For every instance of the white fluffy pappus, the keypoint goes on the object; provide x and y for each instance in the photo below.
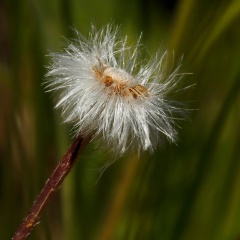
(106, 89)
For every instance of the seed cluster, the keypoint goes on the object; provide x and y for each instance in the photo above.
(118, 82)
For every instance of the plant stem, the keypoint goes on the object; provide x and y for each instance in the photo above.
(51, 187)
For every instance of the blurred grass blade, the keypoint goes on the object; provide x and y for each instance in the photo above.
(185, 9)
(228, 17)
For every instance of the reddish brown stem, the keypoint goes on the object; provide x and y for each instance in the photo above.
(50, 188)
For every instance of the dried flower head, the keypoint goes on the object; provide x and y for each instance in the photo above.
(107, 91)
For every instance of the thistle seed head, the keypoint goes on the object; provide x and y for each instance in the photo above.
(105, 91)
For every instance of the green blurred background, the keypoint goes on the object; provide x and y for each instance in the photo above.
(190, 191)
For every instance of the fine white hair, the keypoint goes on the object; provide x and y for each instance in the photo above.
(108, 92)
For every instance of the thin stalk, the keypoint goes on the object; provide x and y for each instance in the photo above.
(50, 188)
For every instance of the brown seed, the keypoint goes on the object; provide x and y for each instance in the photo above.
(108, 81)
